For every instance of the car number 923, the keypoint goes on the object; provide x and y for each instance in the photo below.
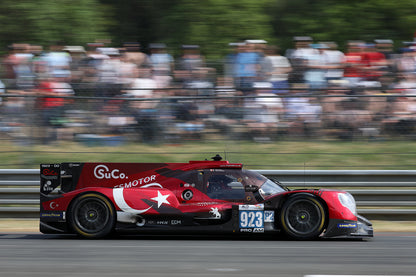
(251, 219)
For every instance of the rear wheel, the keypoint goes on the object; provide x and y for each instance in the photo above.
(303, 217)
(92, 216)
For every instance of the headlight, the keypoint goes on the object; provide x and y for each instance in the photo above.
(348, 201)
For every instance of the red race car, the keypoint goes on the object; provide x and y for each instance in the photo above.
(97, 199)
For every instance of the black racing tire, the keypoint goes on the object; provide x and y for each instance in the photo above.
(92, 216)
(303, 217)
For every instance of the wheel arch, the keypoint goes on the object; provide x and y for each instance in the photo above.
(93, 193)
(293, 195)
(289, 196)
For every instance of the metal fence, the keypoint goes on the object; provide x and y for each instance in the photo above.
(380, 194)
(180, 115)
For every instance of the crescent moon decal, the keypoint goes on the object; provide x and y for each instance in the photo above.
(121, 202)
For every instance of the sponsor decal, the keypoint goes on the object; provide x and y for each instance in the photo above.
(230, 165)
(142, 182)
(165, 222)
(251, 219)
(103, 172)
(50, 175)
(59, 215)
(246, 230)
(215, 213)
(252, 230)
(257, 207)
(258, 230)
(47, 186)
(203, 204)
(49, 172)
(347, 225)
(268, 216)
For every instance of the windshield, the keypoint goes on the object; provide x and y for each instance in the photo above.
(269, 188)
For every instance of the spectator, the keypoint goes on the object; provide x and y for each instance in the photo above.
(52, 107)
(400, 116)
(8, 64)
(190, 61)
(407, 62)
(77, 54)
(375, 63)
(144, 111)
(335, 60)
(259, 46)
(276, 69)
(228, 111)
(247, 66)
(18, 66)
(127, 71)
(229, 60)
(354, 63)
(303, 112)
(316, 68)
(134, 55)
(200, 84)
(407, 83)
(2, 91)
(162, 64)
(40, 66)
(386, 47)
(263, 112)
(109, 72)
(58, 62)
(298, 57)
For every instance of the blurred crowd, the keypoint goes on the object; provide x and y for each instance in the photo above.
(257, 91)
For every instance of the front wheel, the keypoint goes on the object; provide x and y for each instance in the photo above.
(92, 216)
(303, 217)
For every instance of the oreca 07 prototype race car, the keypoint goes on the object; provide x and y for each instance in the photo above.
(95, 200)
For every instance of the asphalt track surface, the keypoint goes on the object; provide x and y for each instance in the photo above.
(57, 255)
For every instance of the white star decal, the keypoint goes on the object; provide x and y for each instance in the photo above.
(161, 199)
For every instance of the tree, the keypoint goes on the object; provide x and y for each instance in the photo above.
(215, 23)
(46, 21)
(343, 20)
(210, 23)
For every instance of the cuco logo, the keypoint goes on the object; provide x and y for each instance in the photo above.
(103, 172)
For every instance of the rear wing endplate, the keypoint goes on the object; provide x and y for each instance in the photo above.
(50, 177)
